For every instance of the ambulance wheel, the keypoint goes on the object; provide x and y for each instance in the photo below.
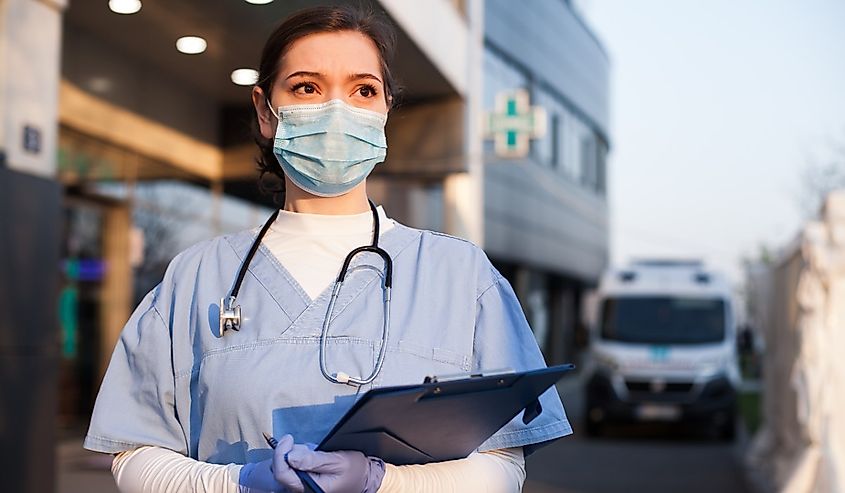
(726, 427)
(727, 431)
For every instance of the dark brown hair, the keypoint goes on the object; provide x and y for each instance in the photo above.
(298, 25)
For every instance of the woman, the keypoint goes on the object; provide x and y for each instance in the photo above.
(186, 396)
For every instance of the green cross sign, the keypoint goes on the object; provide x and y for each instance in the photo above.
(513, 123)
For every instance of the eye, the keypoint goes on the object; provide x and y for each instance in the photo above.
(367, 91)
(304, 88)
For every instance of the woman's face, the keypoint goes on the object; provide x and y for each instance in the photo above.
(320, 67)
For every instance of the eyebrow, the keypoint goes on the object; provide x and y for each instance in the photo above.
(318, 75)
(363, 75)
(302, 73)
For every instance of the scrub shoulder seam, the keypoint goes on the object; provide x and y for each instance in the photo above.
(199, 248)
(446, 235)
(497, 279)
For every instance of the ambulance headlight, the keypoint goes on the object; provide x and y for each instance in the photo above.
(712, 366)
(606, 363)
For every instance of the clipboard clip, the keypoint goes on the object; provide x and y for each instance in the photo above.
(464, 376)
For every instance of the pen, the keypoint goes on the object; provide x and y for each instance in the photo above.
(307, 480)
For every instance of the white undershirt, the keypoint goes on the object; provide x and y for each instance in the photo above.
(312, 248)
(158, 470)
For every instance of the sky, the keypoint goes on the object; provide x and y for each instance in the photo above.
(718, 108)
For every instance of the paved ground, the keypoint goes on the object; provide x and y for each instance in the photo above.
(650, 458)
(630, 463)
(629, 459)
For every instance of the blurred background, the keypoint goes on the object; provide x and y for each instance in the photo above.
(661, 182)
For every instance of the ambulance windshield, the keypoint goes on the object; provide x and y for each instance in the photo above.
(663, 320)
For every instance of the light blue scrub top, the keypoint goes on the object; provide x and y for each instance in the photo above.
(172, 383)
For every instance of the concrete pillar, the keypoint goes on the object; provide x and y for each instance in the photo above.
(30, 50)
(463, 193)
(117, 281)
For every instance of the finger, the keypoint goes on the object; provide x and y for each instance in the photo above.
(282, 448)
(285, 443)
(311, 445)
(281, 471)
(308, 460)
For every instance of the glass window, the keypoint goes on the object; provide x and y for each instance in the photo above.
(547, 148)
(570, 145)
(174, 215)
(500, 76)
(601, 169)
(577, 132)
(588, 160)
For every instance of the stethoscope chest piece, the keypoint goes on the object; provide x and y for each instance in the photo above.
(230, 315)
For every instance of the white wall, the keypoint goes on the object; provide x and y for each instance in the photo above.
(30, 46)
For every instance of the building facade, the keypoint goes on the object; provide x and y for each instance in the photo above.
(117, 151)
(546, 215)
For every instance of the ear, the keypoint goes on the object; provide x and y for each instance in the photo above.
(266, 121)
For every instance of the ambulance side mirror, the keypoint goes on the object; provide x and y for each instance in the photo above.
(745, 340)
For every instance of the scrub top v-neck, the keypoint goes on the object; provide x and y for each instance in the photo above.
(312, 247)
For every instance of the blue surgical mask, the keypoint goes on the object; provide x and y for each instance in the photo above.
(327, 149)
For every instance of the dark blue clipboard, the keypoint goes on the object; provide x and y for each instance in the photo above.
(439, 420)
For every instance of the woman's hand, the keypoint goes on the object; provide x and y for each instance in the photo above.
(260, 475)
(335, 472)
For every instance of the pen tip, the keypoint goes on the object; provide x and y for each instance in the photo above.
(266, 436)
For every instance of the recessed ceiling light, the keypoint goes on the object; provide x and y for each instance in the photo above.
(245, 76)
(191, 45)
(125, 6)
(258, 2)
(100, 84)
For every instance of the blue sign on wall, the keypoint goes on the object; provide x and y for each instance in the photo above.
(31, 139)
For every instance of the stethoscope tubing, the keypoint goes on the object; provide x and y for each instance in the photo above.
(385, 333)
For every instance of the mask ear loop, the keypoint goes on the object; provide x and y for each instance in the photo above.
(271, 108)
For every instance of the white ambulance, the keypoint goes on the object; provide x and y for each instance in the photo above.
(663, 347)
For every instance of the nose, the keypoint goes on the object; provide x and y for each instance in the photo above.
(336, 92)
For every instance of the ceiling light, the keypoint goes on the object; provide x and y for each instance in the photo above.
(258, 2)
(100, 84)
(191, 45)
(125, 6)
(245, 76)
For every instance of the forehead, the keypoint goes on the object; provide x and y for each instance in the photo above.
(344, 52)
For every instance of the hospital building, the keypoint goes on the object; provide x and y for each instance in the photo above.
(118, 149)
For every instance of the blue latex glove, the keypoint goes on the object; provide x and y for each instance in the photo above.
(259, 475)
(336, 472)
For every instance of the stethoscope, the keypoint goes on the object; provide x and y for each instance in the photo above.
(230, 311)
